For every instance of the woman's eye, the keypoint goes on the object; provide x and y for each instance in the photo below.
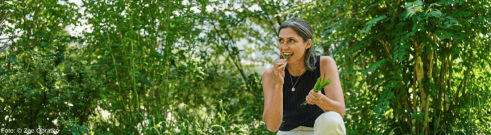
(280, 40)
(291, 40)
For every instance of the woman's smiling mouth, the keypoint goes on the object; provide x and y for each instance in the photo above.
(289, 54)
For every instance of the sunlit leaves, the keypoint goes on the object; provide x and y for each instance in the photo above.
(166, 62)
(374, 66)
(413, 8)
(384, 41)
(371, 23)
(400, 52)
(436, 14)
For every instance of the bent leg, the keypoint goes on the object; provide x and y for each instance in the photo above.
(329, 123)
(301, 130)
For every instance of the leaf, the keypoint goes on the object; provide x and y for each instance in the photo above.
(435, 14)
(400, 51)
(374, 66)
(43, 43)
(317, 83)
(390, 26)
(371, 22)
(145, 81)
(73, 4)
(20, 8)
(321, 79)
(448, 35)
(383, 101)
(328, 81)
(417, 116)
(419, 3)
(409, 4)
(39, 121)
(452, 20)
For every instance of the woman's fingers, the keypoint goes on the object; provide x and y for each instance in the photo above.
(281, 69)
(278, 71)
(282, 64)
(314, 94)
(313, 97)
(309, 101)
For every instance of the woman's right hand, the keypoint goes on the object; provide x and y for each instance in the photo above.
(279, 71)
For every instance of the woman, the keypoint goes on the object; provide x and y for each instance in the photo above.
(290, 82)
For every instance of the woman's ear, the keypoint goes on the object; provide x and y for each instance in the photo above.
(309, 44)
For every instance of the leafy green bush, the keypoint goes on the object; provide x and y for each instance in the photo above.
(172, 67)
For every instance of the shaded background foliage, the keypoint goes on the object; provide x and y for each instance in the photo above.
(194, 67)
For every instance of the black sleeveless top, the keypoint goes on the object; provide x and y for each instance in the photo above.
(294, 114)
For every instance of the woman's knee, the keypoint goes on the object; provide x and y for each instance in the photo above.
(330, 121)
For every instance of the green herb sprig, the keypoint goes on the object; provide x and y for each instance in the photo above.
(286, 55)
(319, 85)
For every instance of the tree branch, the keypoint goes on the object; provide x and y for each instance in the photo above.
(388, 3)
(278, 19)
(234, 61)
(386, 47)
(462, 85)
(3, 19)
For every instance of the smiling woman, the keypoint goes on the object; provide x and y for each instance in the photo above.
(304, 34)
(282, 109)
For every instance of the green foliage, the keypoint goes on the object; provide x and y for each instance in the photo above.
(175, 67)
(412, 63)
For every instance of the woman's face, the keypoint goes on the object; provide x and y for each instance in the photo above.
(291, 43)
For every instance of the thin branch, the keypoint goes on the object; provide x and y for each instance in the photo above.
(388, 3)
(386, 47)
(3, 19)
(462, 85)
(278, 19)
(272, 26)
(244, 77)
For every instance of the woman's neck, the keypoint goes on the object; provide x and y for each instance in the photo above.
(297, 68)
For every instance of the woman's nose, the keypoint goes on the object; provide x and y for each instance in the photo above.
(283, 47)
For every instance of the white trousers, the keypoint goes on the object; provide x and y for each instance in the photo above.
(328, 123)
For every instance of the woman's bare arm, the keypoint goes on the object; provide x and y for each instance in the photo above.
(334, 99)
(273, 101)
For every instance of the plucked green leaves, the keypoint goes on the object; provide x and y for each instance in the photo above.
(319, 85)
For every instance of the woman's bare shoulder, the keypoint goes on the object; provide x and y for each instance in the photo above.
(326, 59)
(268, 79)
(327, 62)
(268, 73)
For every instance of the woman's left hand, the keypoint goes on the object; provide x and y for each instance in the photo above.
(313, 97)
